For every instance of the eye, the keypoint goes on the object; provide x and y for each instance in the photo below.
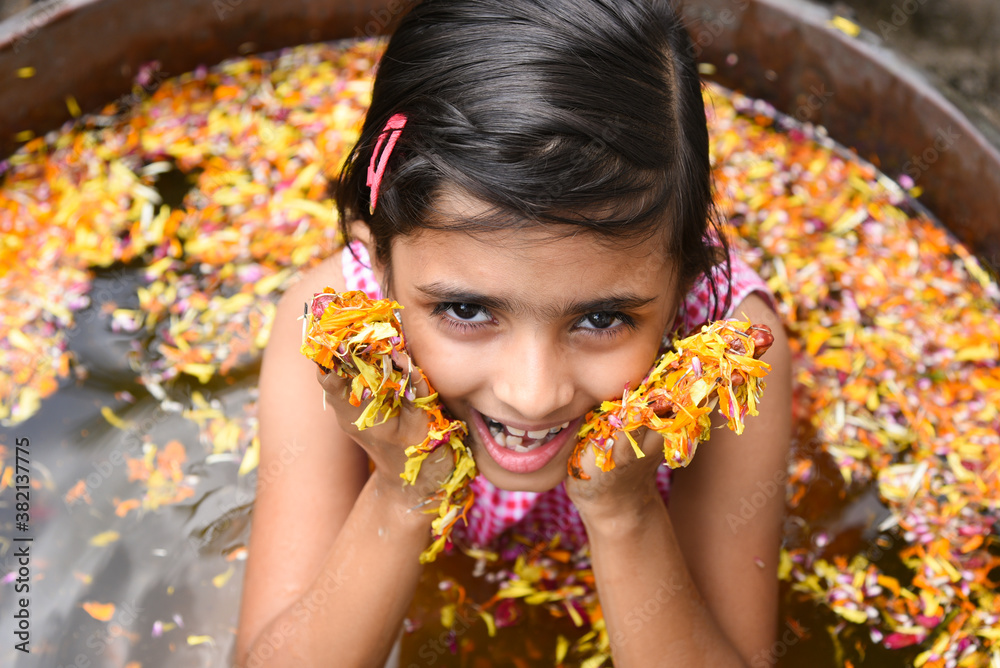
(465, 312)
(601, 320)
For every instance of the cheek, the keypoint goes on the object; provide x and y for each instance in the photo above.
(609, 375)
(453, 370)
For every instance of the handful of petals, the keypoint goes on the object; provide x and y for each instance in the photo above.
(717, 366)
(354, 336)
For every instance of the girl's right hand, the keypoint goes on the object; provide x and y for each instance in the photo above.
(386, 443)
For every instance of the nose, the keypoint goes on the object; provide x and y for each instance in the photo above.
(534, 378)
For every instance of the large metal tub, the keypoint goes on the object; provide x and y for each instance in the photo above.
(785, 53)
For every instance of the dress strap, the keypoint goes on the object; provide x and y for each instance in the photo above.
(358, 274)
(694, 311)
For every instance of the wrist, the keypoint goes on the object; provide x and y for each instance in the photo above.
(621, 516)
(399, 505)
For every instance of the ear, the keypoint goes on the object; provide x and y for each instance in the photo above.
(361, 232)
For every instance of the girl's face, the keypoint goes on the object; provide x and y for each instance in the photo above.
(522, 333)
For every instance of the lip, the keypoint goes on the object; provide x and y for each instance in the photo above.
(523, 462)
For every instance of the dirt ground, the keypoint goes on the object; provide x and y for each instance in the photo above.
(957, 42)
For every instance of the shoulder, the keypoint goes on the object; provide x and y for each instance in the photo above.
(766, 437)
(306, 462)
(705, 300)
(328, 273)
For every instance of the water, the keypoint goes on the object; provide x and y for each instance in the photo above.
(160, 569)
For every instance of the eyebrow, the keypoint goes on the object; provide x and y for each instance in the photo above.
(617, 302)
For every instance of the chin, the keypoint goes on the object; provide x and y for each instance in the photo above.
(540, 481)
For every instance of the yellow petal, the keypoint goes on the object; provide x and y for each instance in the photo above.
(856, 616)
(203, 372)
(251, 457)
(200, 640)
(983, 352)
(448, 616)
(491, 627)
(845, 26)
(577, 619)
(113, 419)
(269, 284)
(562, 647)
(222, 578)
(18, 339)
(73, 106)
(105, 538)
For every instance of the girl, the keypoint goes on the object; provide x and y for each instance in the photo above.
(532, 185)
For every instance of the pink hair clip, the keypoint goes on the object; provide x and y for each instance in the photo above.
(394, 126)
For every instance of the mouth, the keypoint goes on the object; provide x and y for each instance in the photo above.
(521, 450)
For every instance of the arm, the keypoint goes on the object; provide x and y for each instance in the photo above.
(683, 587)
(320, 547)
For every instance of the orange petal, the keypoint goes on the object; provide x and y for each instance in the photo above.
(99, 611)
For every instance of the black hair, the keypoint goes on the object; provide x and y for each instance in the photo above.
(562, 113)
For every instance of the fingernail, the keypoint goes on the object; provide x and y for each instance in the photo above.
(397, 360)
(762, 339)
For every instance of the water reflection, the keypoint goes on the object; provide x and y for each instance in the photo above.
(172, 570)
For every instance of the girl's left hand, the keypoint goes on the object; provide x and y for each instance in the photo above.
(628, 487)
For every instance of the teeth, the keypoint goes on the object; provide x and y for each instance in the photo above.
(515, 447)
(514, 439)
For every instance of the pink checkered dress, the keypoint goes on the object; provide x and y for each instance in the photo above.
(540, 515)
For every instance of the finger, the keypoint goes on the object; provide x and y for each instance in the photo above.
(652, 444)
(333, 385)
(623, 450)
(418, 385)
(762, 339)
